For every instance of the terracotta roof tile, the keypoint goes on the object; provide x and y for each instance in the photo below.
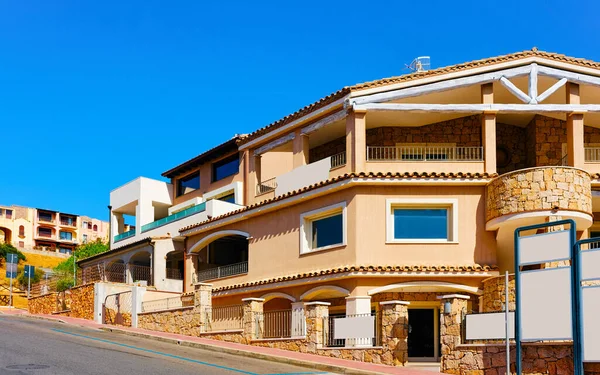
(332, 271)
(379, 175)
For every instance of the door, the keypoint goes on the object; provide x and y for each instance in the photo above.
(422, 335)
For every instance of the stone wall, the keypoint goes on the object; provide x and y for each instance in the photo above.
(494, 294)
(82, 301)
(513, 139)
(540, 188)
(184, 321)
(45, 304)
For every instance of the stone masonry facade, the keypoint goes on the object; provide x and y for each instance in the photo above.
(536, 189)
(77, 302)
(494, 296)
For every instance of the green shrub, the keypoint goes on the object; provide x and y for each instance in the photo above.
(22, 280)
(6, 248)
(64, 284)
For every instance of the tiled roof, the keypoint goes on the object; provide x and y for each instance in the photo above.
(534, 52)
(370, 175)
(333, 271)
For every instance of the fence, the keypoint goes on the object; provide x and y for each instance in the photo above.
(166, 304)
(592, 154)
(338, 160)
(223, 271)
(45, 286)
(266, 186)
(116, 309)
(141, 273)
(224, 318)
(359, 330)
(417, 153)
(281, 324)
(174, 274)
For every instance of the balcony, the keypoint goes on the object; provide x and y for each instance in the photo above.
(177, 216)
(223, 271)
(124, 235)
(45, 219)
(424, 154)
(68, 223)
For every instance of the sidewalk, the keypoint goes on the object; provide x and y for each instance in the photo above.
(283, 356)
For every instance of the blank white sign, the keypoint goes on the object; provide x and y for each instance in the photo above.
(591, 324)
(489, 326)
(590, 264)
(546, 304)
(546, 247)
(356, 327)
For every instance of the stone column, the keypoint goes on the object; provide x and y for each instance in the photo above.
(575, 129)
(315, 312)
(253, 318)
(356, 145)
(298, 320)
(202, 302)
(301, 149)
(450, 327)
(488, 129)
(358, 305)
(394, 331)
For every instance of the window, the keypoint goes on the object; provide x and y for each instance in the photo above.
(21, 244)
(85, 238)
(21, 231)
(95, 227)
(323, 229)
(9, 214)
(66, 236)
(228, 198)
(64, 250)
(45, 232)
(226, 167)
(84, 224)
(89, 225)
(422, 220)
(45, 216)
(188, 184)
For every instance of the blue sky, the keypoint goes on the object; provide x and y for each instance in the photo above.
(93, 94)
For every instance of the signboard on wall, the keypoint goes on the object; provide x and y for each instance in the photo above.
(489, 326)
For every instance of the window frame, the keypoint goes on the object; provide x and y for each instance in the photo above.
(418, 203)
(224, 161)
(177, 186)
(306, 220)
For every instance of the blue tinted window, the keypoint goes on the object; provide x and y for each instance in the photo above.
(226, 167)
(431, 223)
(188, 184)
(66, 236)
(327, 231)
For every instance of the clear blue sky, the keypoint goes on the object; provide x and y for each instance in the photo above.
(93, 93)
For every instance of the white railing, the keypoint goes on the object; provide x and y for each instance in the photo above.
(266, 186)
(223, 271)
(338, 160)
(592, 154)
(224, 318)
(418, 153)
(163, 304)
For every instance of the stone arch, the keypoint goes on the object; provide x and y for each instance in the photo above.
(425, 286)
(325, 291)
(215, 236)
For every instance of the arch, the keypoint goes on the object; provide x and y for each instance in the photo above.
(95, 228)
(334, 291)
(21, 231)
(5, 235)
(425, 286)
(215, 236)
(140, 258)
(269, 296)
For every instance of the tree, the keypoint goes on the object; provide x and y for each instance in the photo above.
(86, 250)
(35, 278)
(6, 248)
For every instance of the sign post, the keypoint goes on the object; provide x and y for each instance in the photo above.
(29, 270)
(11, 272)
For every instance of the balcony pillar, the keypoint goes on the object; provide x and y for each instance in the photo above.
(575, 129)
(144, 214)
(356, 145)
(189, 270)
(358, 305)
(117, 225)
(488, 130)
(202, 303)
(257, 169)
(316, 312)
(253, 312)
(247, 185)
(301, 149)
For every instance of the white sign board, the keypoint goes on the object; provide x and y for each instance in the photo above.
(590, 264)
(591, 324)
(356, 327)
(546, 304)
(489, 326)
(546, 247)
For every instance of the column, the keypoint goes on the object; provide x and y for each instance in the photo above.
(316, 312)
(202, 303)
(298, 320)
(257, 173)
(189, 271)
(137, 295)
(451, 327)
(394, 330)
(359, 305)
(301, 149)
(246, 186)
(356, 145)
(253, 318)
(144, 214)
(117, 225)
(575, 129)
(488, 129)
(128, 277)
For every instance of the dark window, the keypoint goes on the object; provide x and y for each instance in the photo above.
(21, 231)
(419, 223)
(188, 184)
(45, 216)
(228, 198)
(226, 167)
(95, 228)
(64, 250)
(21, 244)
(327, 231)
(66, 236)
(45, 232)
(9, 214)
(85, 238)
(89, 225)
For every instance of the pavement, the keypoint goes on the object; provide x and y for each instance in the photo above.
(217, 356)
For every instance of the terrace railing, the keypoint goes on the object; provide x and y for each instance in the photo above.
(266, 186)
(164, 304)
(224, 318)
(223, 271)
(177, 216)
(141, 273)
(174, 274)
(592, 154)
(418, 153)
(124, 235)
(338, 160)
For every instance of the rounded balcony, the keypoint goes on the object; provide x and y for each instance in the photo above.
(530, 196)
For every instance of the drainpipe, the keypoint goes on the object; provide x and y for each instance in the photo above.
(109, 224)
(152, 263)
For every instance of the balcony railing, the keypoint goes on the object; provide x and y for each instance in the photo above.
(69, 223)
(174, 274)
(266, 186)
(177, 216)
(124, 235)
(141, 273)
(45, 235)
(418, 153)
(223, 271)
(46, 219)
(338, 160)
(592, 154)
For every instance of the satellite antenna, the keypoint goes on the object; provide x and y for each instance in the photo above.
(420, 64)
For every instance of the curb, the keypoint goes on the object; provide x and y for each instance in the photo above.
(29, 316)
(247, 353)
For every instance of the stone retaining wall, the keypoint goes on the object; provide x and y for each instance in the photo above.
(184, 321)
(45, 304)
(536, 189)
(82, 302)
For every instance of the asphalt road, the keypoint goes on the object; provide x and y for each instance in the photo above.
(29, 346)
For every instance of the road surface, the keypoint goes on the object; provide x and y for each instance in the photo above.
(39, 347)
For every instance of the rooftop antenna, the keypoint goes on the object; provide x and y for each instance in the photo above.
(420, 64)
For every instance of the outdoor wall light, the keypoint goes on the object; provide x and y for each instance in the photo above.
(447, 307)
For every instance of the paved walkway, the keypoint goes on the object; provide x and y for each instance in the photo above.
(312, 360)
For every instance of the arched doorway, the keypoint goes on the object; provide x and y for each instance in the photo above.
(115, 271)
(5, 235)
(220, 255)
(140, 267)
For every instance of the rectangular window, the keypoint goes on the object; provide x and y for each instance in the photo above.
(64, 250)
(45, 216)
(323, 229)
(226, 167)
(85, 238)
(21, 244)
(421, 223)
(188, 184)
(9, 214)
(45, 232)
(66, 236)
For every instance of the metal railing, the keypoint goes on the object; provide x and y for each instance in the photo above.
(564, 161)
(141, 273)
(224, 318)
(223, 271)
(266, 186)
(592, 154)
(45, 219)
(281, 324)
(125, 235)
(418, 153)
(174, 274)
(164, 304)
(177, 216)
(70, 223)
(329, 336)
(115, 272)
(117, 308)
(338, 160)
